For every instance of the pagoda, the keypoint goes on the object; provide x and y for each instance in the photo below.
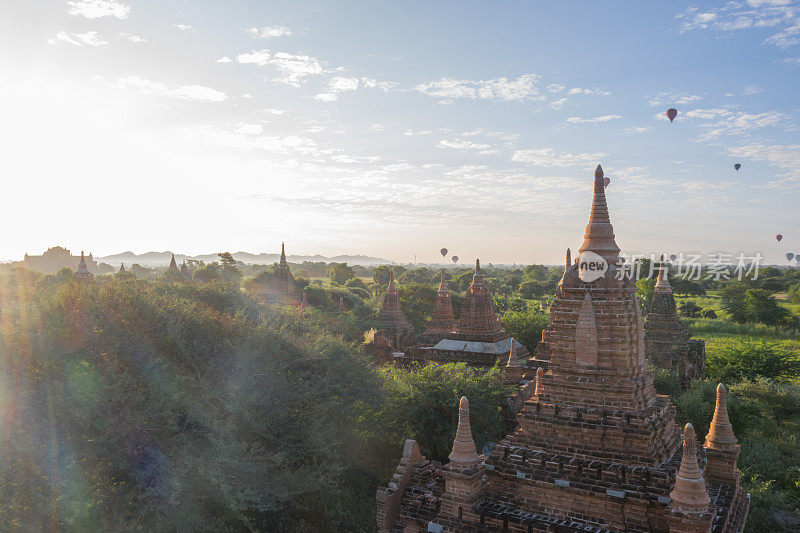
(596, 449)
(442, 321)
(477, 338)
(392, 320)
(82, 273)
(173, 265)
(667, 340)
(281, 287)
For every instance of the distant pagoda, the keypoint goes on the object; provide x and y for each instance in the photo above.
(596, 449)
(478, 320)
(82, 273)
(173, 265)
(667, 340)
(392, 320)
(443, 321)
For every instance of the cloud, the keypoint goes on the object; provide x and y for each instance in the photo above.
(578, 90)
(186, 92)
(92, 9)
(377, 127)
(133, 38)
(780, 15)
(225, 59)
(547, 157)
(672, 99)
(468, 146)
(502, 89)
(183, 27)
(268, 32)
(707, 114)
(739, 124)
(249, 129)
(293, 68)
(336, 86)
(594, 120)
(785, 157)
(557, 104)
(638, 129)
(90, 38)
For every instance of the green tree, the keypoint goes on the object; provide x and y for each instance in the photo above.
(750, 359)
(526, 325)
(690, 309)
(761, 307)
(339, 273)
(733, 301)
(380, 275)
(644, 290)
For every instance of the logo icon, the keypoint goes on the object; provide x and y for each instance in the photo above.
(591, 266)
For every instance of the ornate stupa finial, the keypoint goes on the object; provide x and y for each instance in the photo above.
(464, 453)
(720, 434)
(391, 281)
(512, 355)
(599, 236)
(283, 254)
(569, 258)
(662, 283)
(689, 493)
(442, 284)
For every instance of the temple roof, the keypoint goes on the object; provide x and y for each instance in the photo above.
(599, 236)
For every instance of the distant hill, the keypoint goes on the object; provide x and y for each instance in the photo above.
(160, 259)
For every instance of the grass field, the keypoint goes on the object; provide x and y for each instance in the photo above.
(721, 332)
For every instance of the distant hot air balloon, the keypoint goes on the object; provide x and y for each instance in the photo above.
(672, 113)
(737, 166)
(673, 257)
(443, 251)
(455, 259)
(606, 181)
(789, 256)
(779, 237)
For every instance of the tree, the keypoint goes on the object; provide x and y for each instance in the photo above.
(526, 325)
(531, 289)
(690, 309)
(380, 275)
(750, 359)
(644, 290)
(761, 307)
(339, 273)
(733, 301)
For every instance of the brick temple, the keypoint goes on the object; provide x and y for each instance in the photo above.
(477, 337)
(667, 340)
(281, 288)
(596, 449)
(399, 331)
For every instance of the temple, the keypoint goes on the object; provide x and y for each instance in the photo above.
(667, 340)
(399, 330)
(173, 265)
(82, 273)
(56, 258)
(476, 338)
(281, 288)
(596, 449)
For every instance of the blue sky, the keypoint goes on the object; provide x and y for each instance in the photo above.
(396, 128)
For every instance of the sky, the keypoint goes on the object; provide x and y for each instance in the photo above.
(394, 129)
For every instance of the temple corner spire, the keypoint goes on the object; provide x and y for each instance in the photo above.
(464, 453)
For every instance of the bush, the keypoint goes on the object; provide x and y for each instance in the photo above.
(750, 359)
(690, 309)
(526, 325)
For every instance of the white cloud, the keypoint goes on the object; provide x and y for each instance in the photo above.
(133, 38)
(740, 124)
(409, 133)
(89, 38)
(268, 32)
(250, 129)
(93, 9)
(187, 92)
(547, 157)
(638, 129)
(271, 111)
(707, 114)
(593, 120)
(466, 146)
(336, 86)
(578, 90)
(780, 15)
(371, 83)
(502, 89)
(224, 59)
(557, 104)
(183, 27)
(293, 68)
(377, 127)
(672, 99)
(785, 157)
(556, 87)
(752, 89)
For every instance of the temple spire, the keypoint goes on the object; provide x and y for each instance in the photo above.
(122, 268)
(720, 434)
(83, 271)
(173, 265)
(341, 304)
(689, 493)
(391, 281)
(539, 378)
(464, 453)
(599, 236)
(662, 283)
(283, 254)
(569, 259)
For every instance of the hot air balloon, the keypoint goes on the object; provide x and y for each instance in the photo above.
(789, 256)
(737, 166)
(606, 181)
(672, 113)
(455, 259)
(779, 237)
(443, 251)
(673, 257)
